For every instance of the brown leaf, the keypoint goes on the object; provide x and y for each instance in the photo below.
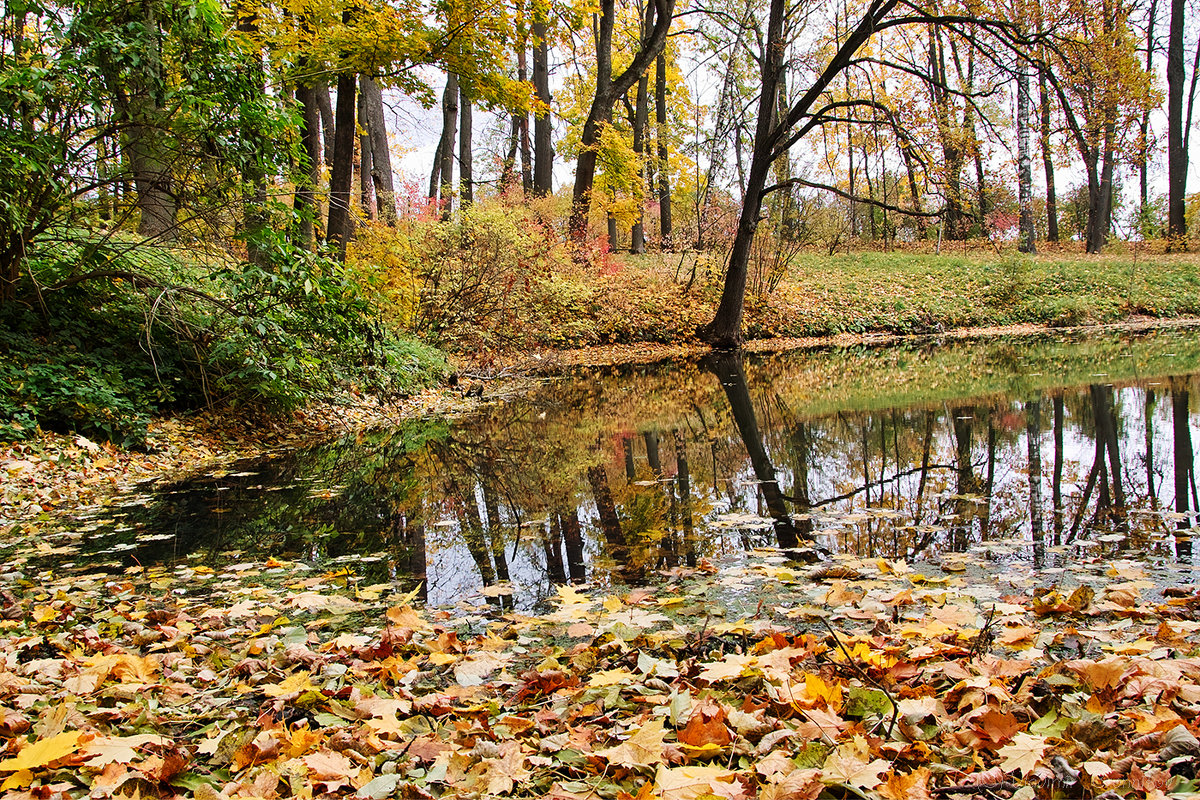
(706, 726)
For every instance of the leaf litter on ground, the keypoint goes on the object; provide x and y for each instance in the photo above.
(756, 678)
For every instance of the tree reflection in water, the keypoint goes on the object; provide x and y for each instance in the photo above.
(618, 477)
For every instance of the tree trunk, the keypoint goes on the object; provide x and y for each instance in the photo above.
(1056, 499)
(1024, 163)
(365, 199)
(466, 166)
(1144, 148)
(520, 130)
(1184, 465)
(725, 330)
(641, 121)
(254, 178)
(139, 108)
(508, 165)
(1033, 439)
(573, 544)
(543, 164)
(1048, 164)
(381, 154)
(340, 227)
(665, 222)
(770, 141)
(954, 217)
(1177, 157)
(914, 192)
(309, 171)
(441, 183)
(727, 368)
(325, 105)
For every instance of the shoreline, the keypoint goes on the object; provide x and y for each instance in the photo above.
(58, 474)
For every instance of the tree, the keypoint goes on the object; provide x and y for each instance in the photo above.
(466, 164)
(1177, 159)
(543, 126)
(340, 225)
(441, 182)
(1024, 163)
(608, 90)
(1048, 159)
(381, 158)
(640, 121)
(665, 221)
(1102, 89)
(771, 140)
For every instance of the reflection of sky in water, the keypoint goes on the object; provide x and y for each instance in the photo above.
(390, 504)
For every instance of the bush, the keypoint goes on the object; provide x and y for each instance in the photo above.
(155, 331)
(485, 280)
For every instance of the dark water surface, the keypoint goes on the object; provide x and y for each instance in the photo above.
(1026, 455)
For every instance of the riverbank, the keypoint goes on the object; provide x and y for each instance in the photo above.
(661, 299)
(56, 473)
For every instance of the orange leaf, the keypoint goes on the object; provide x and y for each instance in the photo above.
(706, 726)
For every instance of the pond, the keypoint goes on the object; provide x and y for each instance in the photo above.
(1023, 456)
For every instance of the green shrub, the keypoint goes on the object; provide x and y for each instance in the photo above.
(103, 354)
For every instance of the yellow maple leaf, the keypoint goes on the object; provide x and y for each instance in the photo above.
(117, 749)
(641, 749)
(730, 667)
(293, 684)
(691, 783)
(1023, 754)
(816, 688)
(569, 597)
(611, 677)
(43, 752)
(849, 765)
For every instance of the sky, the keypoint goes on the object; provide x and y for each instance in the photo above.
(415, 131)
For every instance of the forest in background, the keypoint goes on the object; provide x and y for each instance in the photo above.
(201, 208)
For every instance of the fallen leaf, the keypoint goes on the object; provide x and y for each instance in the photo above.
(1024, 754)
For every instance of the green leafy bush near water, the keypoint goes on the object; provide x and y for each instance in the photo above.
(155, 331)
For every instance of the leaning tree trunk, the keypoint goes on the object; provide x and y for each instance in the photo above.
(725, 330)
(770, 142)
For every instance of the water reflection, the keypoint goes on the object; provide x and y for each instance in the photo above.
(899, 453)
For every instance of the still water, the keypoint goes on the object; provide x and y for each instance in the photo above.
(1025, 453)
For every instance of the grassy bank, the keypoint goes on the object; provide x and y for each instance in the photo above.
(648, 298)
